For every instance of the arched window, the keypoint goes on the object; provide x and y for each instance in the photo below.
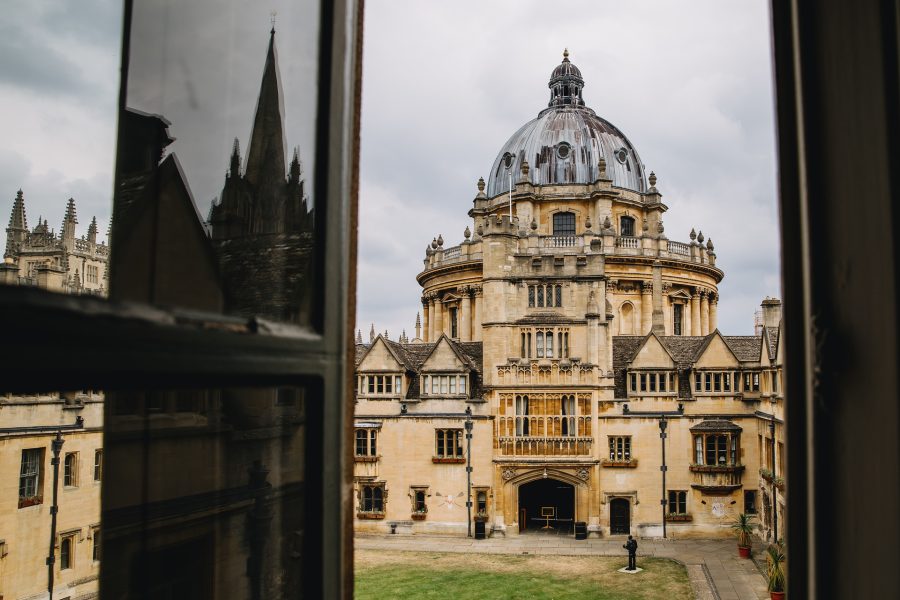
(564, 224)
(65, 554)
(626, 226)
(521, 415)
(626, 319)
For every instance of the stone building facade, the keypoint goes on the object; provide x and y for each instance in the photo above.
(581, 330)
(60, 263)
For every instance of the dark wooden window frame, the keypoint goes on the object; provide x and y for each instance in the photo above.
(99, 344)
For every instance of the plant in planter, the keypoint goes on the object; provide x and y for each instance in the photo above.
(481, 516)
(743, 526)
(775, 571)
(419, 515)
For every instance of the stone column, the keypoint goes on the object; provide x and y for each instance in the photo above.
(686, 320)
(426, 332)
(695, 312)
(704, 312)
(465, 316)
(476, 313)
(659, 327)
(438, 318)
(646, 307)
(713, 311)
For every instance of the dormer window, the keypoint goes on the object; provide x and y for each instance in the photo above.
(380, 385)
(652, 383)
(450, 384)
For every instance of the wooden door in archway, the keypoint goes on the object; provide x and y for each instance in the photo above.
(619, 516)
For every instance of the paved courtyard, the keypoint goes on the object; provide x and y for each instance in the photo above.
(714, 568)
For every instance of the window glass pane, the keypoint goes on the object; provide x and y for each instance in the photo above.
(453, 384)
(531, 295)
(540, 295)
(559, 295)
(241, 460)
(564, 224)
(549, 338)
(462, 384)
(232, 115)
(444, 384)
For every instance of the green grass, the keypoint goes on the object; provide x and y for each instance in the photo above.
(382, 575)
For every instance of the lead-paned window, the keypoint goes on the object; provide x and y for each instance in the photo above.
(30, 477)
(620, 448)
(448, 443)
(678, 502)
(558, 295)
(372, 498)
(70, 469)
(531, 294)
(564, 224)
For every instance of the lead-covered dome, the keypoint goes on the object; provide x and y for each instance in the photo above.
(563, 145)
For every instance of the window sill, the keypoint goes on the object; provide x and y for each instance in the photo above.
(676, 518)
(34, 501)
(366, 459)
(369, 515)
(717, 468)
(449, 461)
(619, 464)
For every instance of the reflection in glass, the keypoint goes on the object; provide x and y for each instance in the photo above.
(203, 493)
(193, 81)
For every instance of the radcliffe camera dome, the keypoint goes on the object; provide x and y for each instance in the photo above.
(563, 145)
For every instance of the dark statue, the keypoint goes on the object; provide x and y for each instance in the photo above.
(631, 546)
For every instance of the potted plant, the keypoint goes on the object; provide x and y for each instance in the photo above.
(481, 516)
(775, 571)
(743, 526)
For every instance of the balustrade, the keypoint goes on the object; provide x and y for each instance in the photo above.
(561, 241)
(679, 248)
(627, 242)
(545, 446)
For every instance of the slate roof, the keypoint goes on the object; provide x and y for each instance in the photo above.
(412, 356)
(685, 349)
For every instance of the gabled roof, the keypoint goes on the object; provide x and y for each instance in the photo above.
(454, 347)
(391, 347)
(646, 339)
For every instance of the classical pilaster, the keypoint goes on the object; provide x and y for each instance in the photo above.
(704, 312)
(714, 311)
(426, 331)
(646, 307)
(476, 312)
(438, 317)
(695, 312)
(658, 327)
(465, 316)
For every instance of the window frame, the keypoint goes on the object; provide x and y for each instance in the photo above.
(99, 344)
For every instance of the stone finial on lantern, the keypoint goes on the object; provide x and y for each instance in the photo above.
(709, 245)
(434, 244)
(652, 180)
(693, 237)
(481, 187)
(700, 237)
(440, 241)
(467, 233)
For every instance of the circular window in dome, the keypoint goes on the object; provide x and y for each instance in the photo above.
(507, 160)
(563, 150)
(621, 155)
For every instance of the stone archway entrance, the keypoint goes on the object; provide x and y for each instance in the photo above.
(619, 516)
(546, 505)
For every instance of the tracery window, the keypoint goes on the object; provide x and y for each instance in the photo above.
(448, 443)
(544, 296)
(544, 345)
(620, 448)
(371, 498)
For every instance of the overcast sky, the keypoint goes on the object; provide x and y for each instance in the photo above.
(445, 85)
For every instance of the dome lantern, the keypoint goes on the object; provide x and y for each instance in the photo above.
(566, 84)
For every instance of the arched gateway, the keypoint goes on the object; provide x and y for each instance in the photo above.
(546, 505)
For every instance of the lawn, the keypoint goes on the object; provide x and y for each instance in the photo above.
(386, 574)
